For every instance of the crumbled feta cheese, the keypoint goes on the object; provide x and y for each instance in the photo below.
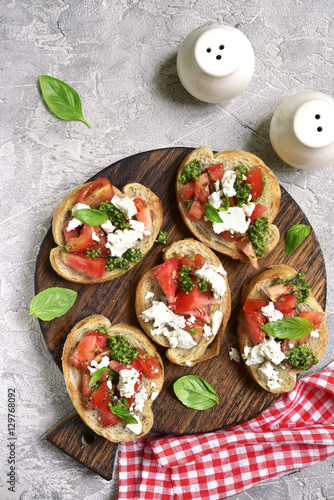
(149, 295)
(109, 384)
(135, 428)
(108, 227)
(271, 313)
(215, 279)
(216, 320)
(207, 331)
(121, 240)
(95, 236)
(214, 199)
(127, 380)
(234, 220)
(79, 206)
(140, 399)
(180, 338)
(234, 355)
(315, 333)
(228, 183)
(189, 363)
(217, 185)
(292, 345)
(154, 395)
(73, 223)
(248, 209)
(270, 350)
(94, 365)
(253, 356)
(162, 316)
(268, 373)
(125, 205)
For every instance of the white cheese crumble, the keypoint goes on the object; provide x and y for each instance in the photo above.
(127, 380)
(271, 313)
(95, 237)
(270, 350)
(248, 208)
(80, 206)
(140, 399)
(149, 295)
(234, 355)
(214, 199)
(135, 428)
(189, 363)
(315, 333)
(154, 395)
(74, 223)
(217, 185)
(228, 183)
(108, 227)
(268, 373)
(125, 205)
(213, 277)
(234, 220)
(121, 240)
(96, 366)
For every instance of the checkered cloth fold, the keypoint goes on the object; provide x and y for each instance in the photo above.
(297, 431)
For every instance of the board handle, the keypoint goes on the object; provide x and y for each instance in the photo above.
(72, 436)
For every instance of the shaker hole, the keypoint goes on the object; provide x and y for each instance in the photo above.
(218, 57)
(317, 117)
(88, 439)
(208, 49)
(319, 129)
(221, 47)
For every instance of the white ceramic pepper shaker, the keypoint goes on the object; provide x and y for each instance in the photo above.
(302, 130)
(215, 63)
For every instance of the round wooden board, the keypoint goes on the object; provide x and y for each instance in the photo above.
(240, 398)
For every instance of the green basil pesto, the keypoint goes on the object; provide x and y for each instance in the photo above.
(102, 329)
(191, 172)
(122, 403)
(114, 214)
(242, 189)
(184, 279)
(121, 350)
(301, 357)
(161, 238)
(257, 233)
(131, 255)
(93, 253)
(299, 286)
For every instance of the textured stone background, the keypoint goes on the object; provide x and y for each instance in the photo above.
(120, 57)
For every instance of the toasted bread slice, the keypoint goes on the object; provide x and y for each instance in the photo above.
(137, 338)
(270, 198)
(254, 290)
(63, 214)
(207, 346)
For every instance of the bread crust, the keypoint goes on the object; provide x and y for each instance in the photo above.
(253, 290)
(63, 214)
(207, 347)
(72, 375)
(270, 197)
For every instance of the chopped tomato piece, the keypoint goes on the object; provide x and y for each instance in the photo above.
(109, 418)
(315, 317)
(228, 236)
(193, 300)
(84, 264)
(198, 327)
(195, 262)
(274, 292)
(255, 179)
(255, 319)
(84, 240)
(84, 353)
(100, 398)
(187, 191)
(288, 344)
(202, 190)
(167, 274)
(199, 313)
(101, 245)
(286, 304)
(86, 391)
(96, 192)
(258, 212)
(143, 213)
(101, 339)
(150, 365)
(196, 211)
(215, 172)
(246, 247)
(73, 233)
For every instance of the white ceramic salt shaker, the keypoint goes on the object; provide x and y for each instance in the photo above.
(302, 130)
(215, 63)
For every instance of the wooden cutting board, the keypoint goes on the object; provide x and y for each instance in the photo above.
(240, 399)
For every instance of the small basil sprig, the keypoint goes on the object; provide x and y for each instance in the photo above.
(225, 206)
(123, 414)
(211, 213)
(289, 328)
(194, 392)
(91, 216)
(97, 375)
(295, 236)
(62, 100)
(52, 303)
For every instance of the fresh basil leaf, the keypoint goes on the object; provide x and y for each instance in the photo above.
(97, 375)
(62, 100)
(52, 303)
(295, 236)
(211, 213)
(91, 216)
(289, 328)
(194, 392)
(225, 206)
(123, 414)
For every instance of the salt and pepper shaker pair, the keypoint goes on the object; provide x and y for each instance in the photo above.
(216, 63)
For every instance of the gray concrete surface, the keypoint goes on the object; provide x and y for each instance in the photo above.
(120, 57)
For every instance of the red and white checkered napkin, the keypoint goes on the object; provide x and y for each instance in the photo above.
(295, 432)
